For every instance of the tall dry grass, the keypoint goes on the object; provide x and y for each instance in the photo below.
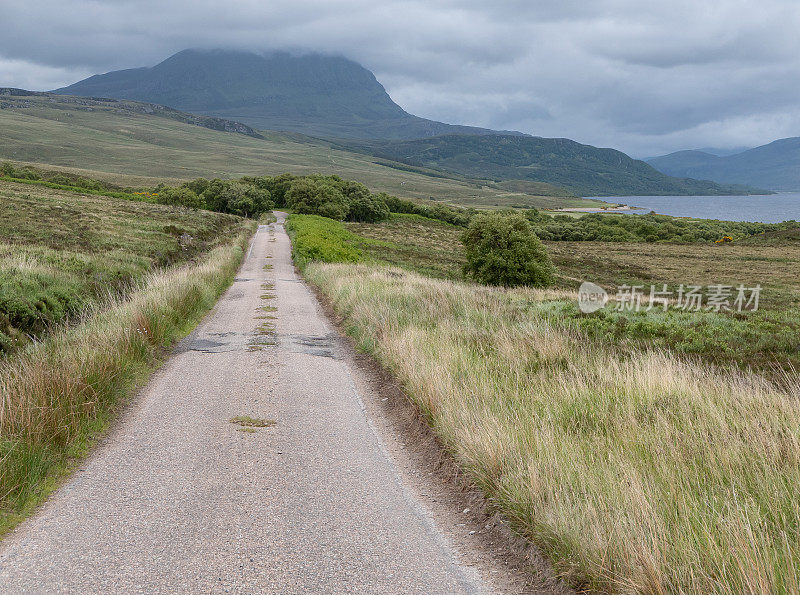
(634, 472)
(55, 393)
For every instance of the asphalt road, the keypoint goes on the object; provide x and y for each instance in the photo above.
(179, 499)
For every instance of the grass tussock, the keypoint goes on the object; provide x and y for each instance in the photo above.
(55, 394)
(634, 471)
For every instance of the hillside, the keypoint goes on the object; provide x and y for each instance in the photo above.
(335, 98)
(313, 94)
(775, 166)
(20, 98)
(139, 144)
(583, 169)
(680, 162)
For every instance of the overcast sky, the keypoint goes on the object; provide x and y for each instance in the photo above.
(647, 77)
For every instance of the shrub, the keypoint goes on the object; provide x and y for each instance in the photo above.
(197, 186)
(353, 190)
(448, 214)
(182, 197)
(24, 173)
(212, 195)
(314, 197)
(245, 200)
(642, 228)
(316, 194)
(398, 205)
(236, 198)
(452, 215)
(368, 209)
(503, 250)
(277, 186)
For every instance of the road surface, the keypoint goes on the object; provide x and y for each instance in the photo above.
(178, 498)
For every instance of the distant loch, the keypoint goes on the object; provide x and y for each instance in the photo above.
(772, 208)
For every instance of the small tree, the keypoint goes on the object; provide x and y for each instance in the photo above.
(197, 186)
(313, 197)
(503, 250)
(367, 209)
(277, 186)
(245, 200)
(212, 195)
(180, 197)
(237, 198)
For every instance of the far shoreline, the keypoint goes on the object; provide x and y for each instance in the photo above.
(617, 208)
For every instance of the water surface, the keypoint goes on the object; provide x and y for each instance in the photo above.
(772, 208)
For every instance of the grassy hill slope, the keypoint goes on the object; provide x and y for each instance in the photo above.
(122, 138)
(583, 169)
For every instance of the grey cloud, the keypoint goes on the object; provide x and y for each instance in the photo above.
(646, 77)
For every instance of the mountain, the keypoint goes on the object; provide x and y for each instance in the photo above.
(313, 94)
(583, 169)
(680, 162)
(335, 98)
(775, 166)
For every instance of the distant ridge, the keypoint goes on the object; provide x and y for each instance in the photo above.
(313, 94)
(582, 169)
(16, 98)
(775, 166)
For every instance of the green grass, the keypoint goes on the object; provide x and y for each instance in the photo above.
(79, 189)
(632, 470)
(319, 238)
(58, 395)
(423, 245)
(766, 340)
(107, 142)
(62, 253)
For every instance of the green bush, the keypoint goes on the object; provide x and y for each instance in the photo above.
(598, 227)
(368, 209)
(23, 173)
(449, 214)
(237, 198)
(182, 197)
(316, 194)
(350, 189)
(197, 186)
(277, 186)
(503, 250)
(245, 200)
(310, 196)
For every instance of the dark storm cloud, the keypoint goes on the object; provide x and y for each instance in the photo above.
(644, 76)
